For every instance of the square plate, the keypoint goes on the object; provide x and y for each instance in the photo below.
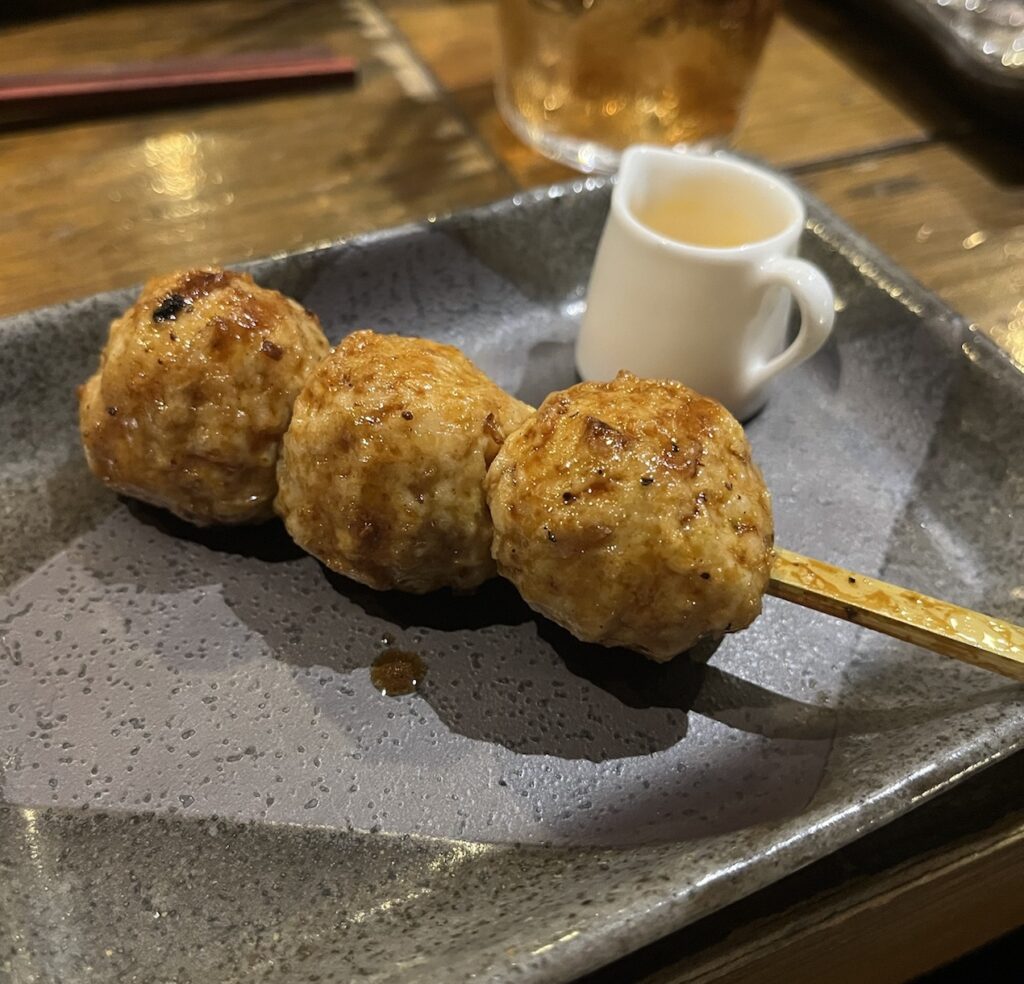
(200, 782)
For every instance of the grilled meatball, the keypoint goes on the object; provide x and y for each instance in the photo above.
(194, 390)
(631, 513)
(382, 469)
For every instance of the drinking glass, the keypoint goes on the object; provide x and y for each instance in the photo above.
(581, 80)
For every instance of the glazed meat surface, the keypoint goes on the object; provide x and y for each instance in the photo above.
(382, 470)
(194, 391)
(632, 514)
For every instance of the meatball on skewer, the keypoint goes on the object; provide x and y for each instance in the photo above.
(194, 391)
(632, 514)
(382, 469)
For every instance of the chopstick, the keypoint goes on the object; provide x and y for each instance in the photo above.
(899, 612)
(210, 75)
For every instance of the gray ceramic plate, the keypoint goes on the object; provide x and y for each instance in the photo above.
(202, 785)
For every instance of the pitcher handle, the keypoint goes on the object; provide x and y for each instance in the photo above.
(816, 302)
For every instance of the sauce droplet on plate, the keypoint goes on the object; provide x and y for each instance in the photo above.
(397, 671)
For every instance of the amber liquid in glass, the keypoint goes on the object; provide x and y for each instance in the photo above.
(618, 72)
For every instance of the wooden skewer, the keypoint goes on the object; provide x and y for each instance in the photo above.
(898, 612)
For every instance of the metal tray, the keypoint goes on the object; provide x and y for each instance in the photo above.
(978, 42)
(200, 783)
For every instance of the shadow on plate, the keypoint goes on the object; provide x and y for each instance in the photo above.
(494, 603)
(550, 366)
(497, 671)
(550, 694)
(268, 542)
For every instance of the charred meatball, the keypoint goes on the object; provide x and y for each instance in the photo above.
(631, 513)
(194, 391)
(382, 469)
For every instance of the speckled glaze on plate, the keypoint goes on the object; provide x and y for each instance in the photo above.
(200, 783)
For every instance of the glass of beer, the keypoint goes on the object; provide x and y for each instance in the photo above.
(581, 80)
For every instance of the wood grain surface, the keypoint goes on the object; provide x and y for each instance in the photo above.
(957, 227)
(105, 202)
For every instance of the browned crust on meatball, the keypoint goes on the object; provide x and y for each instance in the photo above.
(632, 514)
(194, 391)
(382, 469)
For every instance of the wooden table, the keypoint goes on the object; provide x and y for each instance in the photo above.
(97, 204)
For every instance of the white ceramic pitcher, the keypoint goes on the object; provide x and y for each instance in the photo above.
(708, 308)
